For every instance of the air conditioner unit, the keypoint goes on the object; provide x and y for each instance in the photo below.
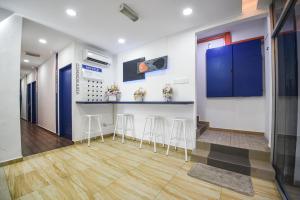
(96, 58)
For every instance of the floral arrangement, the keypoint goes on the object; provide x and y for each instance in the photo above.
(112, 90)
(167, 92)
(139, 94)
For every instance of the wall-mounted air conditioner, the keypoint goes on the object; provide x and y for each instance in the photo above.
(96, 58)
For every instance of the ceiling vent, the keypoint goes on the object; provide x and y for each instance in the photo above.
(32, 54)
(128, 12)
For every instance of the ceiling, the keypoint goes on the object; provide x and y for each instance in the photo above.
(4, 14)
(98, 22)
(31, 34)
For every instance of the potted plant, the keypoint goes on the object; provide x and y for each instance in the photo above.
(113, 93)
(167, 92)
(139, 94)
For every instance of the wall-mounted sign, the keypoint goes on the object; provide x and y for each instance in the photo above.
(95, 69)
(90, 72)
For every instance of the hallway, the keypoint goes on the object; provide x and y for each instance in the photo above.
(36, 140)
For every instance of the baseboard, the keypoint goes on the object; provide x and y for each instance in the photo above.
(9, 162)
(236, 131)
(93, 138)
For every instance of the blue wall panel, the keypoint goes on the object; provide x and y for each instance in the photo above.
(219, 72)
(247, 69)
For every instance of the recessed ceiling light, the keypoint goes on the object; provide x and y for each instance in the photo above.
(25, 60)
(121, 40)
(43, 41)
(187, 11)
(71, 12)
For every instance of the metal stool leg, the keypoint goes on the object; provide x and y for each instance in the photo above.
(163, 132)
(151, 127)
(154, 132)
(172, 130)
(100, 128)
(89, 132)
(132, 127)
(141, 143)
(116, 127)
(123, 129)
(185, 143)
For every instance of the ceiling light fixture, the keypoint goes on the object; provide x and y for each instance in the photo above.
(187, 11)
(71, 12)
(128, 12)
(121, 40)
(26, 60)
(43, 41)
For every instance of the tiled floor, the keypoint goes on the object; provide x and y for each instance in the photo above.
(4, 191)
(234, 139)
(112, 170)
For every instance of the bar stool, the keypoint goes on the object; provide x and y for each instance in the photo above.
(181, 125)
(155, 122)
(124, 119)
(98, 119)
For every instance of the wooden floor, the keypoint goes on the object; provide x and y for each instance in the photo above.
(112, 170)
(36, 140)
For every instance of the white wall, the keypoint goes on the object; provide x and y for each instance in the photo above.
(46, 95)
(10, 53)
(32, 77)
(180, 50)
(240, 113)
(24, 100)
(73, 54)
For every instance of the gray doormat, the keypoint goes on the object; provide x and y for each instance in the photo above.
(228, 179)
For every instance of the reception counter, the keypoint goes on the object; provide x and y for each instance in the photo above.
(141, 110)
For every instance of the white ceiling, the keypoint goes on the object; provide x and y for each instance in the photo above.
(98, 22)
(4, 14)
(31, 33)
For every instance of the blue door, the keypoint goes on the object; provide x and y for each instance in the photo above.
(65, 102)
(219, 72)
(33, 103)
(28, 102)
(247, 69)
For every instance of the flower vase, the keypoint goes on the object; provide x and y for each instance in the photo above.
(139, 98)
(168, 99)
(112, 98)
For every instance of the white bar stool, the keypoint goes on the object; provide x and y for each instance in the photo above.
(155, 122)
(181, 125)
(124, 119)
(98, 119)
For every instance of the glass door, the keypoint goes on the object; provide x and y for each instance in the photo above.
(286, 159)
